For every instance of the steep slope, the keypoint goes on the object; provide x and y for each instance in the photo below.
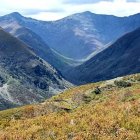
(82, 34)
(24, 77)
(36, 43)
(41, 48)
(78, 35)
(121, 58)
(105, 110)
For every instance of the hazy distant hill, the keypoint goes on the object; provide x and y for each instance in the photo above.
(72, 38)
(78, 35)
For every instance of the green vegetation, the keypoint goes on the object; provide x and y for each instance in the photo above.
(97, 90)
(122, 83)
(100, 111)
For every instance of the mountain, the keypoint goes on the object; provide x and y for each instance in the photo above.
(90, 33)
(79, 35)
(42, 49)
(35, 42)
(24, 77)
(121, 58)
(99, 111)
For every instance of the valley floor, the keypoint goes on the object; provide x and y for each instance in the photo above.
(108, 110)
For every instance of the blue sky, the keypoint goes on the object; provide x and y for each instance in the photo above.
(56, 9)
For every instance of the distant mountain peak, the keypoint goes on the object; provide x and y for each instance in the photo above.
(87, 12)
(135, 15)
(14, 15)
(80, 16)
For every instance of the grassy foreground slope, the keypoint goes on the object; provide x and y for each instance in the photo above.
(108, 110)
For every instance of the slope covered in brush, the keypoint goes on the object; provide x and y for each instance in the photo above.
(105, 110)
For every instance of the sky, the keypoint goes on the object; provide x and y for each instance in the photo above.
(56, 9)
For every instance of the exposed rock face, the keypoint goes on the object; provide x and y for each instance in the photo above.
(24, 77)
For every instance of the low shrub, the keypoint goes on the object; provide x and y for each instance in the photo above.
(122, 83)
(97, 90)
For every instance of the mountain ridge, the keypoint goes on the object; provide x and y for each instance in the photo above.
(67, 36)
(119, 59)
(24, 77)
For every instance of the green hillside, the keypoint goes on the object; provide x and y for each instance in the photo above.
(108, 110)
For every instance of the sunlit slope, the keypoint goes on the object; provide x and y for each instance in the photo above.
(107, 110)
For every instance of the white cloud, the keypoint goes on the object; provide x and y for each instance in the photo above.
(26, 4)
(48, 16)
(56, 9)
(118, 8)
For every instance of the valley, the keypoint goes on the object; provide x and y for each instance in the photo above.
(74, 78)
